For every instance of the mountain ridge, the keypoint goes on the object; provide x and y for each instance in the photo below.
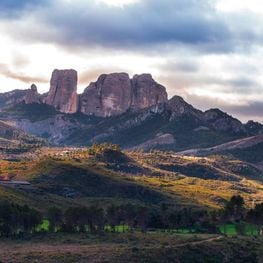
(145, 118)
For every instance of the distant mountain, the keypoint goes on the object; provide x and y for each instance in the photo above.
(13, 140)
(248, 149)
(134, 113)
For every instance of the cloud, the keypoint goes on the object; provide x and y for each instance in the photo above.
(8, 73)
(198, 47)
(148, 22)
(87, 76)
(20, 60)
(243, 111)
(15, 8)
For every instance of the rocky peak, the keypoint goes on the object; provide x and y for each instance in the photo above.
(63, 91)
(109, 95)
(147, 92)
(115, 93)
(254, 127)
(222, 121)
(32, 95)
(178, 106)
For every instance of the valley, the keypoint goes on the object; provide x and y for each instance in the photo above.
(135, 176)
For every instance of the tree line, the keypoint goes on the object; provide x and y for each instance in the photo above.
(17, 220)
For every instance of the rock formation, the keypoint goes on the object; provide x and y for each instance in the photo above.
(146, 92)
(116, 93)
(221, 121)
(109, 95)
(32, 95)
(63, 91)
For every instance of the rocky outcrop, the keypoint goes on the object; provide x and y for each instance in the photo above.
(32, 95)
(110, 95)
(221, 121)
(178, 107)
(146, 92)
(63, 91)
(114, 94)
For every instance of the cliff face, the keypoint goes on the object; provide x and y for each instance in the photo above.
(146, 92)
(109, 95)
(63, 91)
(114, 94)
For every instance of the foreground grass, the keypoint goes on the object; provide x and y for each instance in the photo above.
(131, 247)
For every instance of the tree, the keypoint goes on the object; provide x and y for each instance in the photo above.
(113, 218)
(255, 216)
(55, 218)
(235, 207)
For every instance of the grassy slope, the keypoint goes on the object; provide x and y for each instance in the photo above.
(149, 178)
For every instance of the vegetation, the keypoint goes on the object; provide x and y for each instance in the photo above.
(233, 219)
(156, 205)
(34, 112)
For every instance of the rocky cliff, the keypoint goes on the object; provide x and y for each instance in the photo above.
(114, 94)
(109, 95)
(63, 91)
(146, 92)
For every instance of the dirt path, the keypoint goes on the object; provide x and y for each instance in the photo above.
(201, 241)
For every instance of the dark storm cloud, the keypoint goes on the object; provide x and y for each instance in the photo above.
(197, 25)
(140, 25)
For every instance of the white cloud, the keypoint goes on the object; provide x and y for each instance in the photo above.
(240, 5)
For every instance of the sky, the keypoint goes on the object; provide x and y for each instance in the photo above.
(207, 51)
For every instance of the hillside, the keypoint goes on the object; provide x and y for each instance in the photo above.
(15, 141)
(75, 176)
(249, 149)
(175, 125)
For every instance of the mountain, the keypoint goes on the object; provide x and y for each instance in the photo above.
(15, 141)
(132, 112)
(248, 149)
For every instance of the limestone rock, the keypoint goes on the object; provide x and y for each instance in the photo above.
(115, 93)
(147, 92)
(110, 95)
(32, 95)
(63, 91)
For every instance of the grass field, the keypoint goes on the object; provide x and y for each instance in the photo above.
(231, 229)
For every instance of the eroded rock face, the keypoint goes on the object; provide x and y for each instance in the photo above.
(110, 95)
(147, 92)
(32, 95)
(63, 91)
(114, 94)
